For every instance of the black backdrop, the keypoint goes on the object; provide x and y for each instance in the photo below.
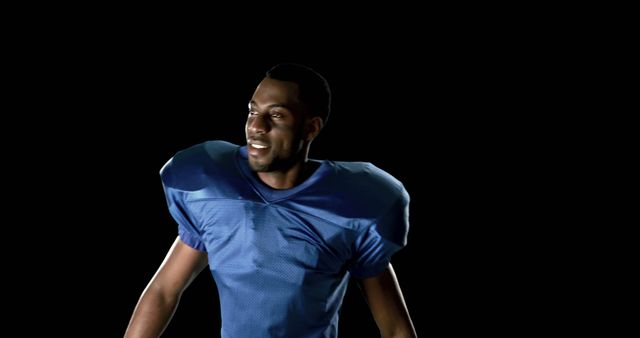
(475, 113)
(113, 117)
(377, 117)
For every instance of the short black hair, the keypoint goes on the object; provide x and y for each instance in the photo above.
(314, 88)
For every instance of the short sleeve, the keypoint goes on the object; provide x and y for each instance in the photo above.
(187, 229)
(378, 242)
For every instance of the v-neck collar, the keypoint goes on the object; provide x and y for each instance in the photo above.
(268, 194)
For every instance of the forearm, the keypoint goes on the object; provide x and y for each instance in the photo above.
(409, 333)
(387, 305)
(402, 330)
(395, 322)
(152, 314)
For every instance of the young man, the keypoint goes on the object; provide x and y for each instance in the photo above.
(281, 233)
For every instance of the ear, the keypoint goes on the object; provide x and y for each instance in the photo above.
(314, 125)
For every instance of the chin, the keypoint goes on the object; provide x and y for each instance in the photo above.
(259, 166)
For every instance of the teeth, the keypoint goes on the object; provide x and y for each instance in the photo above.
(259, 146)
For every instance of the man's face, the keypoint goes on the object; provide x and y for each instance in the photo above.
(275, 126)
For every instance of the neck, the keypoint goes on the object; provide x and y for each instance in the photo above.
(290, 178)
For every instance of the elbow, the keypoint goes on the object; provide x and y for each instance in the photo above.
(403, 334)
(162, 294)
(401, 331)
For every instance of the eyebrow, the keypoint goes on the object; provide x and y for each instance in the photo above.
(275, 105)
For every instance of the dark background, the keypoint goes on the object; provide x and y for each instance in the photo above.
(109, 115)
(491, 116)
(377, 116)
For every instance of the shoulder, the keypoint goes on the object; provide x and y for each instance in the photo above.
(187, 166)
(365, 174)
(372, 185)
(371, 199)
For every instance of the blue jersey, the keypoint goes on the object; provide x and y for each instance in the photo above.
(281, 259)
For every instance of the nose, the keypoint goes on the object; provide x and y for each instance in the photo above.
(258, 123)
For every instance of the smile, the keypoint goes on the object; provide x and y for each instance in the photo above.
(257, 144)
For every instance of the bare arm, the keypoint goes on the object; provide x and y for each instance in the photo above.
(160, 298)
(387, 305)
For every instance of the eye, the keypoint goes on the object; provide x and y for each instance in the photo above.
(277, 115)
(252, 112)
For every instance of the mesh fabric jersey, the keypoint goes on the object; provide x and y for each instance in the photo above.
(281, 259)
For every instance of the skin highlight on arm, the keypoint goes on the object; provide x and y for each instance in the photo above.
(387, 305)
(162, 295)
